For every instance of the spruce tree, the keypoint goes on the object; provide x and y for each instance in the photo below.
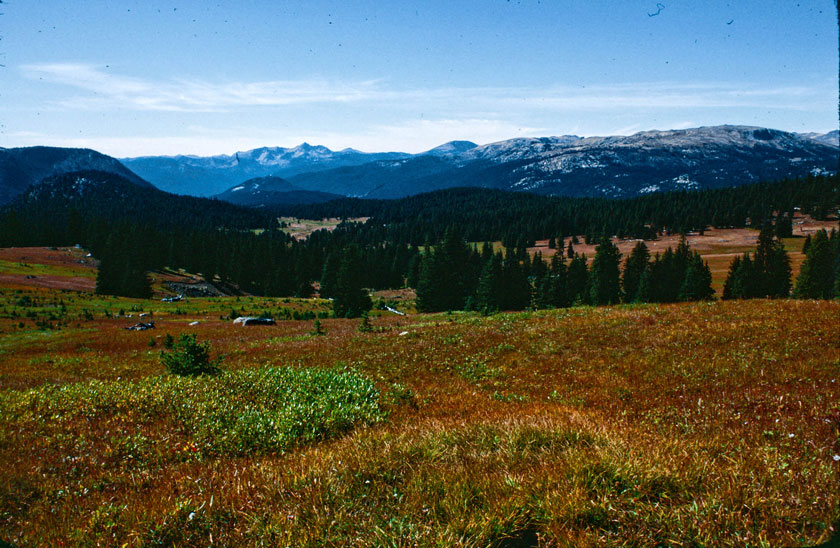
(558, 293)
(351, 299)
(329, 276)
(730, 283)
(605, 287)
(697, 284)
(634, 266)
(489, 291)
(447, 275)
(784, 226)
(817, 277)
(516, 289)
(771, 268)
(578, 280)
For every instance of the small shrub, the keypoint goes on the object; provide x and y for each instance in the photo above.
(365, 325)
(317, 330)
(190, 358)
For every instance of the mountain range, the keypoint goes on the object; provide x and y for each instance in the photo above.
(569, 165)
(206, 176)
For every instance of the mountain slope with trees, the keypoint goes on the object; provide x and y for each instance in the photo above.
(22, 167)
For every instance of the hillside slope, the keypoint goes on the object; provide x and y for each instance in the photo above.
(22, 167)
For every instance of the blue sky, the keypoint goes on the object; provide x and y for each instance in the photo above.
(202, 77)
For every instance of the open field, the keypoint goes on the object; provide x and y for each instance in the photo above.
(300, 229)
(711, 424)
(718, 246)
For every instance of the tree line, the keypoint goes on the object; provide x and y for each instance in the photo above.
(133, 230)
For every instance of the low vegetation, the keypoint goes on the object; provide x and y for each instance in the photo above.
(689, 424)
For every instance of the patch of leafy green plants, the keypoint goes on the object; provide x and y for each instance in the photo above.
(265, 410)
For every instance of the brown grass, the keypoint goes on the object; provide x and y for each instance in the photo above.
(712, 424)
(717, 245)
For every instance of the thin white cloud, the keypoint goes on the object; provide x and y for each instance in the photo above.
(106, 90)
(118, 91)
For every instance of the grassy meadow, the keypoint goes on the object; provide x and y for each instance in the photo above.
(711, 424)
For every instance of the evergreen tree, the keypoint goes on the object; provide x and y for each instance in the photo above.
(731, 279)
(771, 268)
(784, 226)
(351, 299)
(604, 276)
(516, 289)
(414, 271)
(634, 266)
(697, 284)
(740, 282)
(446, 275)
(578, 280)
(488, 294)
(817, 277)
(329, 276)
(121, 270)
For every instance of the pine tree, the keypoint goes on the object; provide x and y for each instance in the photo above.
(816, 279)
(771, 268)
(697, 284)
(634, 266)
(741, 281)
(516, 289)
(351, 299)
(605, 287)
(121, 270)
(578, 280)
(489, 291)
(558, 293)
(784, 226)
(329, 276)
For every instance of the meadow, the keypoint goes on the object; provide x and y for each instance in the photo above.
(708, 424)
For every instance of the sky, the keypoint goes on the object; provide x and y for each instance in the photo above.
(202, 77)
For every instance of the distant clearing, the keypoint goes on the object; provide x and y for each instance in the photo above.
(300, 229)
(717, 245)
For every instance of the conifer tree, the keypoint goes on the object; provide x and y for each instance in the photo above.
(697, 284)
(488, 294)
(329, 276)
(740, 282)
(351, 299)
(784, 226)
(516, 289)
(446, 275)
(771, 267)
(816, 278)
(604, 276)
(578, 280)
(634, 266)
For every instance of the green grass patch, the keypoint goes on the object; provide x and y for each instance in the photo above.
(259, 410)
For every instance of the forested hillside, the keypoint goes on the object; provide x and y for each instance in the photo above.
(410, 242)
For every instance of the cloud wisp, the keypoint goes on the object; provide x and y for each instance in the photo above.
(106, 90)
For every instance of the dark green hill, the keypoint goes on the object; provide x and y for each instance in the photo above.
(22, 167)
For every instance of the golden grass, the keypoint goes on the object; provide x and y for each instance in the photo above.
(710, 424)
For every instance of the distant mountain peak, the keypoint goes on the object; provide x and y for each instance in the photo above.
(452, 147)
